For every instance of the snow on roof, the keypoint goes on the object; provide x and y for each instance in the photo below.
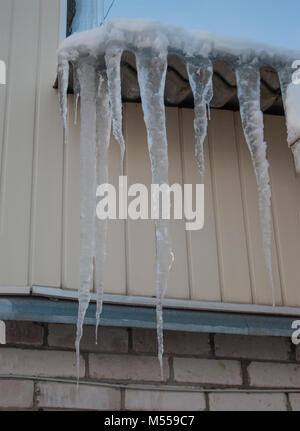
(228, 52)
(133, 34)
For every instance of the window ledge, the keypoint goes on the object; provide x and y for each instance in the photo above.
(65, 311)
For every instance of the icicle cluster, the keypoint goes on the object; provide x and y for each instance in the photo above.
(92, 86)
(96, 57)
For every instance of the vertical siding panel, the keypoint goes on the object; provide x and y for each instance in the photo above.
(17, 159)
(115, 270)
(178, 280)
(48, 169)
(229, 209)
(140, 233)
(204, 275)
(261, 287)
(71, 203)
(285, 188)
(6, 13)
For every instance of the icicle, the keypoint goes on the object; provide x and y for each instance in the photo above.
(76, 90)
(285, 78)
(152, 67)
(113, 65)
(87, 80)
(248, 84)
(103, 140)
(63, 83)
(200, 77)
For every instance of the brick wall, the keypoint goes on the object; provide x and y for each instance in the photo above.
(201, 372)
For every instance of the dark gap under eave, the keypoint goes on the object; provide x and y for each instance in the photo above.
(178, 92)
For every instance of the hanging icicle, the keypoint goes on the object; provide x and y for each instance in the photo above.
(63, 83)
(152, 68)
(113, 65)
(76, 91)
(248, 84)
(87, 80)
(103, 140)
(200, 76)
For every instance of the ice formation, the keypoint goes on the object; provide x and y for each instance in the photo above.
(103, 129)
(200, 77)
(248, 84)
(87, 81)
(76, 90)
(113, 66)
(63, 83)
(96, 56)
(152, 68)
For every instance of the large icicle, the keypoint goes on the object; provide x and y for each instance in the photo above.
(103, 140)
(87, 80)
(152, 67)
(200, 77)
(248, 83)
(113, 65)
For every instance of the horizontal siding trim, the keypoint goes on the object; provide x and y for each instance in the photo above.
(14, 290)
(141, 301)
(45, 310)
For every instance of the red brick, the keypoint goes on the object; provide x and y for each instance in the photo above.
(110, 339)
(126, 367)
(209, 371)
(46, 363)
(24, 333)
(245, 346)
(68, 396)
(274, 375)
(176, 343)
(247, 402)
(16, 394)
(143, 400)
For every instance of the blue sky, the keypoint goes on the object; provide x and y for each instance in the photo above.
(272, 21)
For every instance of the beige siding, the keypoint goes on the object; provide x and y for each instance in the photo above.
(18, 138)
(39, 188)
